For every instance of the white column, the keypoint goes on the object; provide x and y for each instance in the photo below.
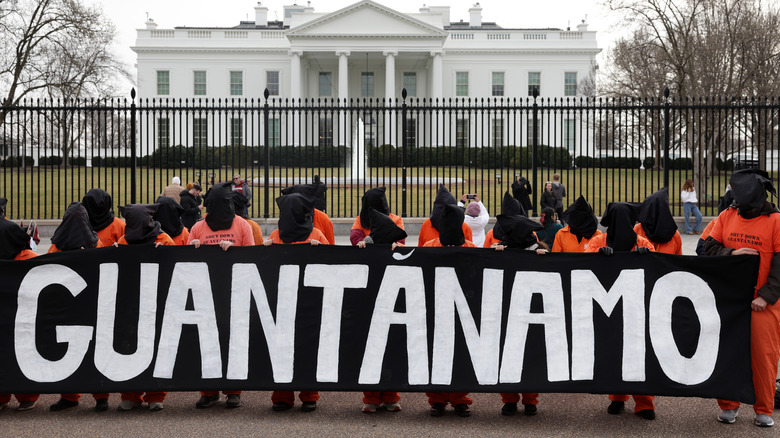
(390, 96)
(295, 94)
(436, 93)
(343, 95)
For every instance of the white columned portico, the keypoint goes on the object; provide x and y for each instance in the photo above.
(390, 95)
(295, 95)
(343, 95)
(437, 93)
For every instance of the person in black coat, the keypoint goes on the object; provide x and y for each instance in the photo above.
(190, 202)
(549, 198)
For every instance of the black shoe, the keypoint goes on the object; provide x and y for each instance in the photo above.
(647, 414)
(462, 410)
(207, 401)
(616, 407)
(509, 409)
(437, 409)
(530, 410)
(233, 401)
(281, 406)
(26, 405)
(101, 405)
(309, 406)
(63, 404)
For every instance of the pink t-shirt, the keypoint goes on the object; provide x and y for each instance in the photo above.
(240, 233)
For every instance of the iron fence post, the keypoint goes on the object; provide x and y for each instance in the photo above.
(666, 137)
(266, 165)
(403, 153)
(133, 154)
(535, 146)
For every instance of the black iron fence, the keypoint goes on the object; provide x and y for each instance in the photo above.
(605, 149)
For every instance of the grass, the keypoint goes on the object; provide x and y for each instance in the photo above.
(44, 193)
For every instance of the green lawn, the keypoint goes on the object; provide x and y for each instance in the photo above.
(44, 193)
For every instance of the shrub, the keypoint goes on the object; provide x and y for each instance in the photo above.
(77, 161)
(648, 162)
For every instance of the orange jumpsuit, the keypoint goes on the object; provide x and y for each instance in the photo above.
(181, 239)
(641, 402)
(566, 241)
(763, 234)
(257, 232)
(289, 396)
(490, 240)
(673, 246)
(427, 232)
(708, 229)
(453, 398)
(322, 222)
(112, 233)
(399, 222)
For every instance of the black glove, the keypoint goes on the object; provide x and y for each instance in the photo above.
(642, 250)
(606, 250)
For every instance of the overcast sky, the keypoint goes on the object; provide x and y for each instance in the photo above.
(131, 15)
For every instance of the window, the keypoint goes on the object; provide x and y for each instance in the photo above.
(369, 129)
(163, 82)
(163, 132)
(410, 83)
(462, 83)
(569, 134)
(498, 132)
(462, 132)
(367, 84)
(325, 131)
(411, 131)
(272, 82)
(236, 83)
(199, 83)
(570, 83)
(325, 84)
(530, 128)
(236, 131)
(274, 132)
(534, 83)
(498, 83)
(199, 132)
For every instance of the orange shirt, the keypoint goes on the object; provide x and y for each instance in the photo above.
(26, 254)
(437, 243)
(112, 233)
(673, 246)
(182, 238)
(322, 222)
(597, 242)
(566, 241)
(257, 232)
(53, 247)
(399, 222)
(162, 238)
(314, 235)
(761, 233)
(489, 239)
(427, 232)
(708, 229)
(240, 233)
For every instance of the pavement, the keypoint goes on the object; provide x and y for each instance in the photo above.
(338, 415)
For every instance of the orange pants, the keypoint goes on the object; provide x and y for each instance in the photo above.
(289, 396)
(213, 393)
(5, 398)
(377, 398)
(76, 397)
(529, 398)
(765, 353)
(140, 397)
(453, 398)
(641, 402)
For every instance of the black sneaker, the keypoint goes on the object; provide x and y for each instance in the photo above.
(207, 401)
(281, 406)
(437, 409)
(647, 414)
(530, 410)
(462, 410)
(616, 407)
(233, 401)
(101, 405)
(509, 409)
(26, 405)
(309, 406)
(63, 404)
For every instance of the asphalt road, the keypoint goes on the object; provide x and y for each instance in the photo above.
(338, 415)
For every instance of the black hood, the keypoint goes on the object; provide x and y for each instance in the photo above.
(13, 238)
(383, 229)
(656, 217)
(219, 205)
(140, 228)
(373, 198)
(3, 203)
(315, 190)
(296, 215)
(749, 187)
(443, 198)
(99, 207)
(518, 230)
(75, 231)
(725, 201)
(451, 226)
(581, 219)
(168, 214)
(240, 202)
(511, 206)
(620, 218)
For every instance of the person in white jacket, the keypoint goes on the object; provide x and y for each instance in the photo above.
(476, 217)
(688, 197)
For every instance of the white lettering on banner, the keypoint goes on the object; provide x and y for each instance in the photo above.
(34, 366)
(483, 344)
(186, 278)
(116, 366)
(279, 335)
(585, 289)
(333, 279)
(520, 317)
(395, 278)
(699, 367)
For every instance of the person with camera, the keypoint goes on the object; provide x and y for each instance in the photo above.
(476, 217)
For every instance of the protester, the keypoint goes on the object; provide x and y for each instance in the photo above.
(99, 207)
(560, 193)
(521, 190)
(758, 222)
(551, 226)
(241, 186)
(191, 205)
(476, 217)
(239, 207)
(373, 199)
(430, 227)
(3, 204)
(657, 224)
(173, 190)
(725, 202)
(688, 197)
(582, 227)
(549, 198)
(509, 206)
(316, 191)
(168, 215)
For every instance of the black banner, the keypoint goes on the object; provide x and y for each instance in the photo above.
(341, 318)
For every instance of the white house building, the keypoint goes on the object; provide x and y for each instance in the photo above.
(366, 50)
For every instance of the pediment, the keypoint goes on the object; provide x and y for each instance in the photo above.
(366, 19)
